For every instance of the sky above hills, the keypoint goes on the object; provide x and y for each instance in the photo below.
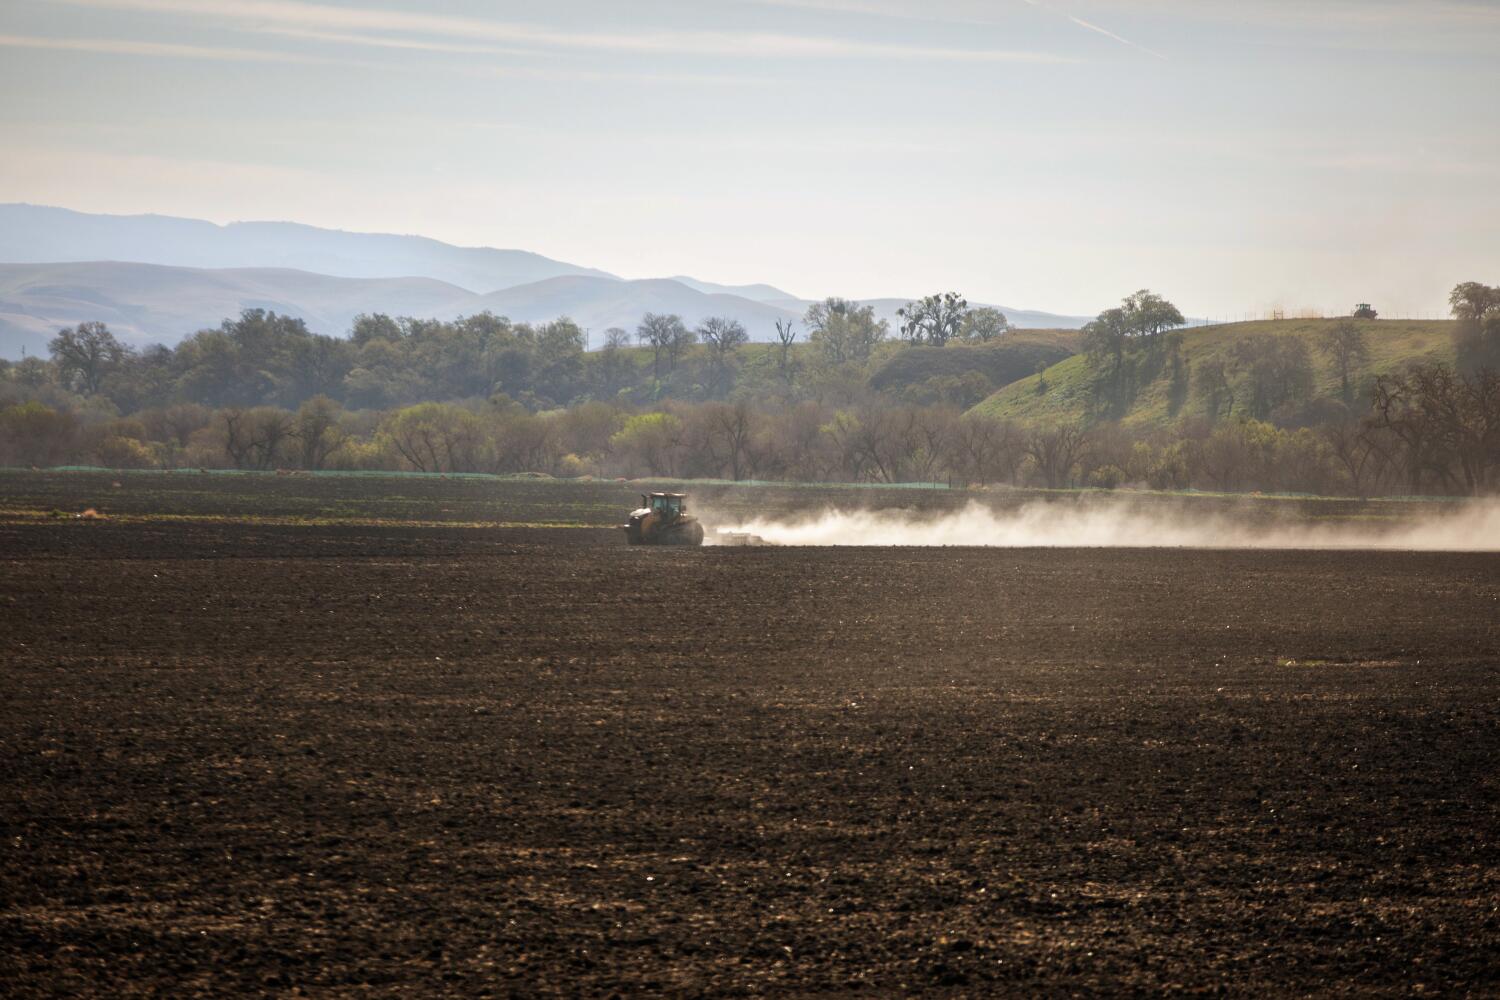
(1236, 156)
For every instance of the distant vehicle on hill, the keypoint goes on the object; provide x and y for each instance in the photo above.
(1365, 311)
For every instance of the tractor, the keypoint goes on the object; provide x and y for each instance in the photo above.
(1365, 311)
(662, 519)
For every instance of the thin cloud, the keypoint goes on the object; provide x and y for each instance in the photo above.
(211, 53)
(1038, 4)
(62, 166)
(121, 46)
(1332, 15)
(840, 6)
(282, 14)
(892, 9)
(606, 76)
(1110, 34)
(512, 72)
(378, 41)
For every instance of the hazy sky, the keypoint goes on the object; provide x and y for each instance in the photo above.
(1052, 154)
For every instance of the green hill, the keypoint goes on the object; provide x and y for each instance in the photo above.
(1066, 394)
(1016, 355)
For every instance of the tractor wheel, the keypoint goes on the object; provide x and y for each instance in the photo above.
(683, 534)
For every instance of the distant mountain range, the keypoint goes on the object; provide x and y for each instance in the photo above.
(151, 303)
(158, 279)
(35, 234)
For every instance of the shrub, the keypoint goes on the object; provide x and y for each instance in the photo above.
(119, 452)
(1107, 477)
(33, 434)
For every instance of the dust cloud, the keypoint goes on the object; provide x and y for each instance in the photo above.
(1471, 527)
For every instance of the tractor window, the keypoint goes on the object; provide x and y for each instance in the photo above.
(671, 506)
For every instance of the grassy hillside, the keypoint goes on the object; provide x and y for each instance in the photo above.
(1392, 344)
(1001, 362)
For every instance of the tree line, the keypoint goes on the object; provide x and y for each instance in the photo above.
(1432, 431)
(261, 358)
(481, 394)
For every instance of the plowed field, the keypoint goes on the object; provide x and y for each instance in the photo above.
(240, 755)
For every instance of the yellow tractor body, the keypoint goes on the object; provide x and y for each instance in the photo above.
(662, 519)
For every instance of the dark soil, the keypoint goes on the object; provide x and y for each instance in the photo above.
(599, 503)
(239, 758)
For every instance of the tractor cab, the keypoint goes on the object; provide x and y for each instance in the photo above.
(668, 506)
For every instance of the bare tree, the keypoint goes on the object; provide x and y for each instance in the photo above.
(317, 432)
(663, 333)
(723, 337)
(1449, 423)
(899, 444)
(437, 437)
(524, 442)
(934, 428)
(1219, 459)
(272, 430)
(845, 434)
(256, 438)
(238, 441)
(612, 362)
(1394, 410)
(786, 333)
(1055, 452)
(727, 435)
(174, 425)
(796, 446)
(681, 339)
(971, 449)
(1357, 449)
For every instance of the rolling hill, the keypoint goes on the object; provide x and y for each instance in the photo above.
(756, 293)
(146, 303)
(157, 278)
(1027, 318)
(36, 234)
(1392, 345)
(151, 303)
(1000, 362)
(154, 303)
(597, 304)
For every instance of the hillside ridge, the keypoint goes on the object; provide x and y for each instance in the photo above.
(1062, 392)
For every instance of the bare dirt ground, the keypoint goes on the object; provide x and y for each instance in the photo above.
(239, 757)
